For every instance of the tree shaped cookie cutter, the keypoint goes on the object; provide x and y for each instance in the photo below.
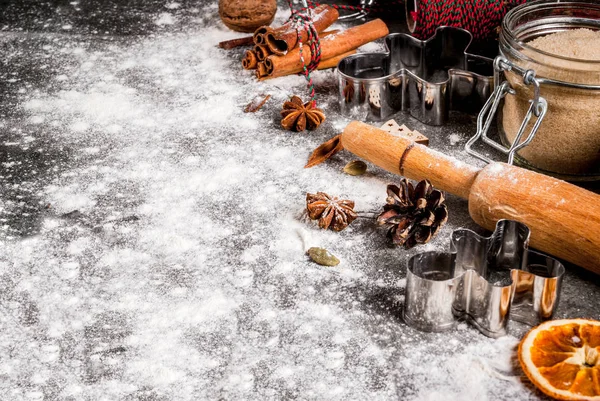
(426, 78)
(484, 280)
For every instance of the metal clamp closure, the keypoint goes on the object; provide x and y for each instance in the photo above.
(537, 108)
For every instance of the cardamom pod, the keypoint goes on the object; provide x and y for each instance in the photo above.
(323, 257)
(355, 167)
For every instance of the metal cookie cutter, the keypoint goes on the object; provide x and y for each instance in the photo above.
(484, 281)
(426, 78)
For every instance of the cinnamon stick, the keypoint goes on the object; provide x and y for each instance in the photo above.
(334, 61)
(233, 43)
(327, 33)
(259, 35)
(331, 46)
(283, 39)
(261, 70)
(262, 52)
(250, 60)
(253, 57)
(323, 65)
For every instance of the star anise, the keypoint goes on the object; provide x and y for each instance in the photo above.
(331, 211)
(298, 116)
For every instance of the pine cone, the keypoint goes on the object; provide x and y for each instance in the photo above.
(297, 116)
(330, 210)
(414, 214)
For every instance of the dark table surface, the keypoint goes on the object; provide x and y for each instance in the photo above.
(152, 235)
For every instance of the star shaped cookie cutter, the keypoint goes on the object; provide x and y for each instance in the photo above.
(484, 280)
(426, 78)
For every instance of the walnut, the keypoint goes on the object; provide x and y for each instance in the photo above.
(247, 15)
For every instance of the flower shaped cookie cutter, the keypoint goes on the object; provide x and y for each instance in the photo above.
(426, 78)
(484, 280)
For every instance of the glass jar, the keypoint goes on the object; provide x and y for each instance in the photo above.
(567, 141)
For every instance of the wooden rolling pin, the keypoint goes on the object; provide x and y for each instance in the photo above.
(564, 219)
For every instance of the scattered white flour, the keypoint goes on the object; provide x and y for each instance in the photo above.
(478, 372)
(165, 19)
(173, 6)
(454, 139)
(372, 47)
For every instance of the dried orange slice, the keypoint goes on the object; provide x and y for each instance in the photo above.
(562, 358)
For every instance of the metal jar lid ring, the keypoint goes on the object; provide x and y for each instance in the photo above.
(537, 108)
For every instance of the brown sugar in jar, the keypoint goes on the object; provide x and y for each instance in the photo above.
(566, 61)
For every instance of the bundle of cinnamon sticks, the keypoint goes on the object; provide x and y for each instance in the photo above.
(276, 52)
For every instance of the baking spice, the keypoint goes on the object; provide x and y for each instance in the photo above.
(298, 116)
(325, 151)
(331, 212)
(250, 60)
(256, 104)
(323, 257)
(332, 46)
(568, 140)
(233, 43)
(355, 167)
(285, 38)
